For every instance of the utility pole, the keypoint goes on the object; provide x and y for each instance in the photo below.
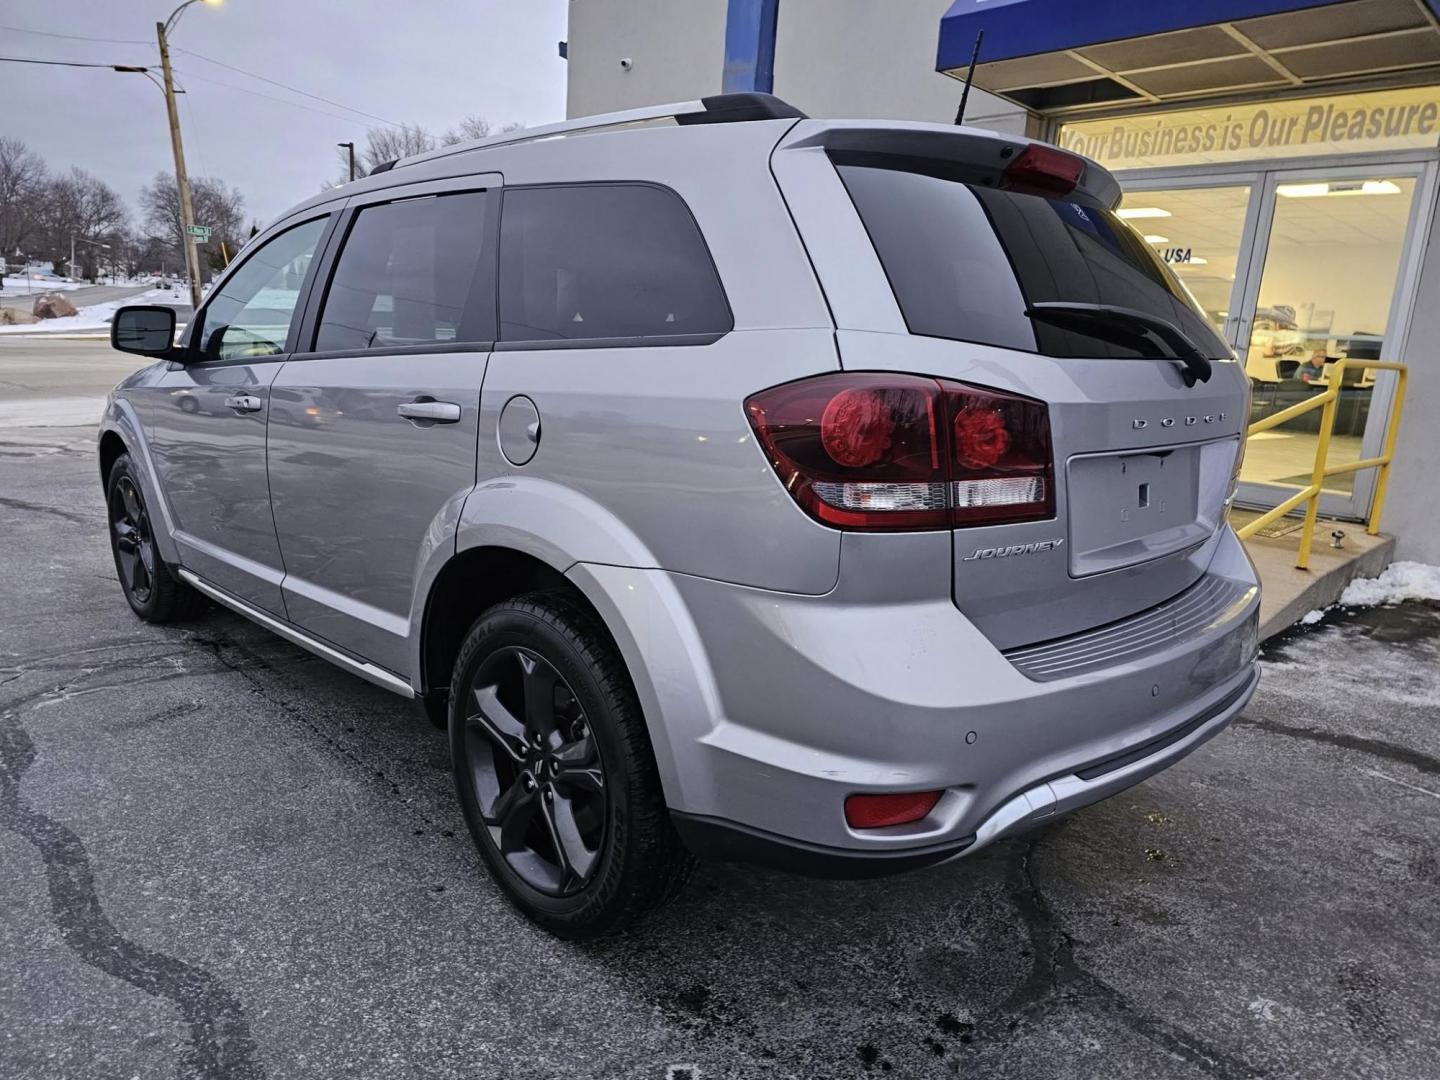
(351, 147)
(182, 178)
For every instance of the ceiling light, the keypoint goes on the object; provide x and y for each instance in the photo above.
(1343, 187)
(1141, 212)
(1156, 238)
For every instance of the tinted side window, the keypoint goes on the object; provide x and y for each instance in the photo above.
(251, 314)
(604, 261)
(410, 273)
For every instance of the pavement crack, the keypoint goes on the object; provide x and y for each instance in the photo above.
(1056, 974)
(221, 1045)
(1376, 747)
(40, 508)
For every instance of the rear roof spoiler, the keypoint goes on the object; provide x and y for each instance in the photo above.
(716, 109)
(974, 147)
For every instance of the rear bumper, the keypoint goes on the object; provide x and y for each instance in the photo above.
(714, 838)
(767, 709)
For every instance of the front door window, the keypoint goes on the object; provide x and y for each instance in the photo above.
(251, 314)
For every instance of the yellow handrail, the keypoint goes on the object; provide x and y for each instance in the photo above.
(1310, 494)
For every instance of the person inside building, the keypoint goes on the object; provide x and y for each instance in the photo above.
(1313, 370)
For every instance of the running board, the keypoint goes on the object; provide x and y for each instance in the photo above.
(368, 672)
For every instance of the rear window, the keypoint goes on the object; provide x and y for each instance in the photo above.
(967, 261)
(604, 261)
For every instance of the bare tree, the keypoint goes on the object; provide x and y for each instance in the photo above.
(384, 144)
(22, 183)
(472, 128)
(82, 208)
(217, 204)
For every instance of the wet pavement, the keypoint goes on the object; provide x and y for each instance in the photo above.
(220, 857)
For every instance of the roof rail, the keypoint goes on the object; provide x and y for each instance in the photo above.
(716, 109)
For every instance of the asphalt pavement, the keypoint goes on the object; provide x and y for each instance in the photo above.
(221, 857)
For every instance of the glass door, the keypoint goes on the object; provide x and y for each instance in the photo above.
(1297, 268)
(1326, 262)
(1200, 232)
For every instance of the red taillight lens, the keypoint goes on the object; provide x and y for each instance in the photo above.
(877, 811)
(1043, 170)
(881, 451)
(1001, 461)
(857, 451)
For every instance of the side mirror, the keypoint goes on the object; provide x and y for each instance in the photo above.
(144, 329)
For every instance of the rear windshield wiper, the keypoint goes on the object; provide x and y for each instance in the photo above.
(1133, 325)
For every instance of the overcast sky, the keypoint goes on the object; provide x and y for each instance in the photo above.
(425, 61)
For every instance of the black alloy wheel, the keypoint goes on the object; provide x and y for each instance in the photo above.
(135, 559)
(153, 591)
(537, 772)
(554, 769)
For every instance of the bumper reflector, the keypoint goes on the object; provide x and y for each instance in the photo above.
(877, 811)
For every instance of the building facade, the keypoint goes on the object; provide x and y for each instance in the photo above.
(1281, 155)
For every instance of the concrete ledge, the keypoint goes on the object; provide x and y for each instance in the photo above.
(1288, 594)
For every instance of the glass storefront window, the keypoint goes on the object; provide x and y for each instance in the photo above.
(1325, 293)
(1198, 232)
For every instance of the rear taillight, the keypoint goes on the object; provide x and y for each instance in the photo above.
(883, 451)
(1043, 170)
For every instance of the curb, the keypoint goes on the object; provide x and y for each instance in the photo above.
(1326, 587)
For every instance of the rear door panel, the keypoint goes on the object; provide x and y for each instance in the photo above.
(362, 495)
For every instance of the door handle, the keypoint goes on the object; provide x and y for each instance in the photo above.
(436, 412)
(243, 403)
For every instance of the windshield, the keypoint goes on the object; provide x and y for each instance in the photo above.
(967, 261)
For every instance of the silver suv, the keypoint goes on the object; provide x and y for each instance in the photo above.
(842, 495)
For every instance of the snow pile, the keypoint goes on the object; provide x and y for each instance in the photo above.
(1310, 618)
(1400, 581)
(97, 316)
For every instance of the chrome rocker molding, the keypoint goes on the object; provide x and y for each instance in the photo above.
(368, 672)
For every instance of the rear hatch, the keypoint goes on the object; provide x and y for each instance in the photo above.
(1039, 290)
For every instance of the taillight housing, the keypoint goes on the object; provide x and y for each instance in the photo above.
(876, 451)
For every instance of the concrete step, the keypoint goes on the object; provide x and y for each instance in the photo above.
(1287, 593)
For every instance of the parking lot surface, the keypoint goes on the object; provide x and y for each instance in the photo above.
(221, 857)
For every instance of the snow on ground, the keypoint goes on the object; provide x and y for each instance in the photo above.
(97, 317)
(38, 285)
(1400, 581)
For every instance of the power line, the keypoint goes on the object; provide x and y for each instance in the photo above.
(56, 63)
(208, 60)
(77, 37)
(286, 86)
(189, 74)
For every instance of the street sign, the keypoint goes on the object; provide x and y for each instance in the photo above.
(201, 233)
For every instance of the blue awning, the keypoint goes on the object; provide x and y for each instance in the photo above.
(1106, 51)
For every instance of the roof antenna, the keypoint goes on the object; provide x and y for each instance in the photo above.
(969, 78)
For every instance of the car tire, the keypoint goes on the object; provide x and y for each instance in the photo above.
(150, 586)
(563, 799)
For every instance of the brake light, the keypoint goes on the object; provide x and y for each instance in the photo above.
(881, 451)
(1043, 170)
